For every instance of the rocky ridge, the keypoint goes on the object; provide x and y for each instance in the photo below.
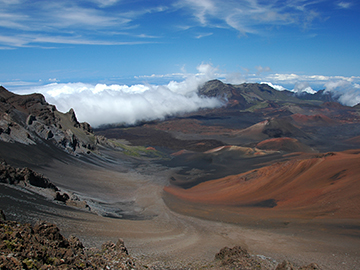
(29, 119)
(248, 94)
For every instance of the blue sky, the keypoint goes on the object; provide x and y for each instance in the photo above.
(292, 43)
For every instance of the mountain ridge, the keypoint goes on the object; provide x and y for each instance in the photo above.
(29, 119)
(252, 93)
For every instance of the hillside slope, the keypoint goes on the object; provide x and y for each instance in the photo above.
(323, 186)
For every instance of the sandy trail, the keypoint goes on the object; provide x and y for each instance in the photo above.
(163, 237)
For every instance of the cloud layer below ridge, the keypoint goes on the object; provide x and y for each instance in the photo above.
(107, 104)
(101, 104)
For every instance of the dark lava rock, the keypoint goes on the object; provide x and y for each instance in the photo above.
(61, 197)
(26, 176)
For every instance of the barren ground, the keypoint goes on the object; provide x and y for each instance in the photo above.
(161, 237)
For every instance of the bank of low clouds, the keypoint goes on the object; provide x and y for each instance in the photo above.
(100, 104)
(108, 104)
(348, 93)
(346, 89)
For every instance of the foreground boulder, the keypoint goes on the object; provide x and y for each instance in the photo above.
(239, 258)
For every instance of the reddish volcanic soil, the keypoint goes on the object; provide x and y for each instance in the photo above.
(284, 144)
(323, 186)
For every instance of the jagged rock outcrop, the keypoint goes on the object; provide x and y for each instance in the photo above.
(29, 119)
(28, 178)
(42, 246)
(24, 177)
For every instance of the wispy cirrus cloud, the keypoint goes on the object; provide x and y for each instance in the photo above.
(33, 40)
(248, 16)
(31, 23)
(105, 3)
(204, 35)
(344, 5)
(93, 19)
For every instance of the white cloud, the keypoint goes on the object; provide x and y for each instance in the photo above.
(284, 77)
(202, 9)
(303, 87)
(344, 5)
(316, 79)
(105, 104)
(261, 69)
(247, 15)
(69, 22)
(53, 80)
(105, 3)
(10, 2)
(78, 21)
(203, 35)
(335, 85)
(350, 98)
(348, 93)
(78, 40)
(275, 86)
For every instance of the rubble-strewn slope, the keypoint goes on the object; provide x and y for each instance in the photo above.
(42, 246)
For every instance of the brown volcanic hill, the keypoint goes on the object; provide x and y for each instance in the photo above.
(28, 119)
(237, 151)
(325, 186)
(332, 104)
(284, 144)
(272, 128)
(313, 120)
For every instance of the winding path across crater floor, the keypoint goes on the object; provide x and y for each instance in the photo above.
(162, 237)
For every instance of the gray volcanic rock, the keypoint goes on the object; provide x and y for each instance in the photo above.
(29, 119)
(216, 88)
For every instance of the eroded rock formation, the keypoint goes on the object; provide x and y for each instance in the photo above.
(29, 119)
